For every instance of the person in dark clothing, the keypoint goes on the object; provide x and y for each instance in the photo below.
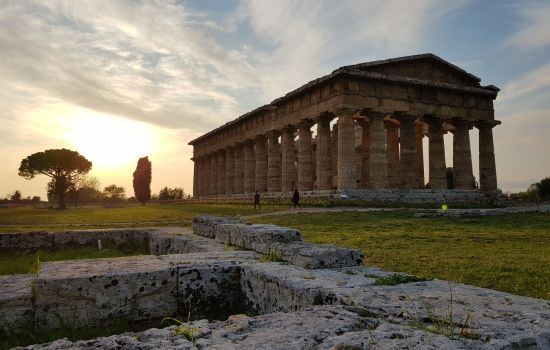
(257, 200)
(296, 198)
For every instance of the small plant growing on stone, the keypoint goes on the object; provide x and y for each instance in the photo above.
(270, 257)
(396, 279)
(183, 328)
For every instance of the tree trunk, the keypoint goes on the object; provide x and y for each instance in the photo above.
(61, 202)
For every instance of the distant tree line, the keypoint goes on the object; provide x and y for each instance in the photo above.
(539, 189)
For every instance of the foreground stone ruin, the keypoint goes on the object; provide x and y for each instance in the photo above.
(313, 297)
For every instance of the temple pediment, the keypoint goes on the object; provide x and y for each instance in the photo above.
(427, 67)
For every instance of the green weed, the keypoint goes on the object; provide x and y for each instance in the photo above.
(396, 279)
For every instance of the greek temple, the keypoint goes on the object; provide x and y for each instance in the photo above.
(359, 127)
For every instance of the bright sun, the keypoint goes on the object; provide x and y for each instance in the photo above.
(108, 142)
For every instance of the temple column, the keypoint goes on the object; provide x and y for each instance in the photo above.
(288, 166)
(323, 156)
(365, 152)
(378, 162)
(437, 167)
(346, 149)
(238, 178)
(487, 166)
(419, 135)
(261, 164)
(249, 167)
(462, 155)
(229, 171)
(392, 146)
(221, 173)
(334, 156)
(214, 174)
(273, 162)
(195, 177)
(408, 154)
(205, 180)
(305, 165)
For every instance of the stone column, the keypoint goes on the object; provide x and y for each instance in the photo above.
(334, 156)
(378, 162)
(214, 174)
(229, 171)
(261, 164)
(249, 167)
(195, 177)
(221, 173)
(346, 149)
(419, 135)
(273, 162)
(205, 180)
(487, 166)
(462, 155)
(305, 165)
(365, 152)
(408, 155)
(239, 169)
(323, 154)
(437, 167)
(288, 166)
(392, 146)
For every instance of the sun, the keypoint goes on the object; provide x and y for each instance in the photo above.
(109, 142)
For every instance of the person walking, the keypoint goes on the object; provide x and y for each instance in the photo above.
(257, 200)
(296, 198)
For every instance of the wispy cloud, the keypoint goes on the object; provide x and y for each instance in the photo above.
(534, 29)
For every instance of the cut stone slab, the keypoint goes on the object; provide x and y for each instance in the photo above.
(15, 300)
(178, 240)
(206, 225)
(315, 256)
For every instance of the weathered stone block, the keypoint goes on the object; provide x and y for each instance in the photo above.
(260, 237)
(15, 300)
(315, 256)
(28, 240)
(206, 225)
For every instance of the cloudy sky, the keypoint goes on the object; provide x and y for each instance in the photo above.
(118, 79)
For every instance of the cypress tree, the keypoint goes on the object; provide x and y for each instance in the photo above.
(142, 180)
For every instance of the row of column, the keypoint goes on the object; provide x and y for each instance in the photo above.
(390, 156)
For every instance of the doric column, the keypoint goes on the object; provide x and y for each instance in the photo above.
(408, 157)
(229, 171)
(436, 162)
(238, 154)
(378, 162)
(214, 174)
(392, 146)
(273, 162)
(305, 165)
(221, 173)
(195, 177)
(462, 155)
(346, 149)
(334, 155)
(249, 167)
(323, 162)
(261, 163)
(288, 166)
(419, 135)
(487, 166)
(365, 152)
(205, 180)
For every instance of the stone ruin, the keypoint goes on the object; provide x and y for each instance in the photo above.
(312, 297)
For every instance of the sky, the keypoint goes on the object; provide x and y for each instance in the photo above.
(119, 79)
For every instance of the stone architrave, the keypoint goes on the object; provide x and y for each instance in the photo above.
(288, 160)
(214, 174)
(273, 162)
(249, 167)
(305, 164)
(261, 163)
(229, 171)
(419, 135)
(436, 149)
(334, 155)
(378, 162)
(323, 154)
(221, 173)
(462, 156)
(392, 142)
(408, 155)
(239, 169)
(487, 165)
(346, 149)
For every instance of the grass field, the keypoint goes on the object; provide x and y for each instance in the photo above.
(507, 253)
(27, 219)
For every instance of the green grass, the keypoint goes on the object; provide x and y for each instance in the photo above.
(509, 253)
(24, 219)
(20, 262)
(395, 279)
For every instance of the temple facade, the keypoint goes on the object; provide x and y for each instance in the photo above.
(362, 126)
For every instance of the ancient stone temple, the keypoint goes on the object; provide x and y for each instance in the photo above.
(362, 126)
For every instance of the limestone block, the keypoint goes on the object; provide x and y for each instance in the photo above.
(80, 238)
(15, 300)
(260, 237)
(179, 241)
(315, 256)
(29, 240)
(206, 225)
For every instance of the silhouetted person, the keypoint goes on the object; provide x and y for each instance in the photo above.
(296, 198)
(257, 200)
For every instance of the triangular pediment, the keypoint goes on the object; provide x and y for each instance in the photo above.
(423, 67)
